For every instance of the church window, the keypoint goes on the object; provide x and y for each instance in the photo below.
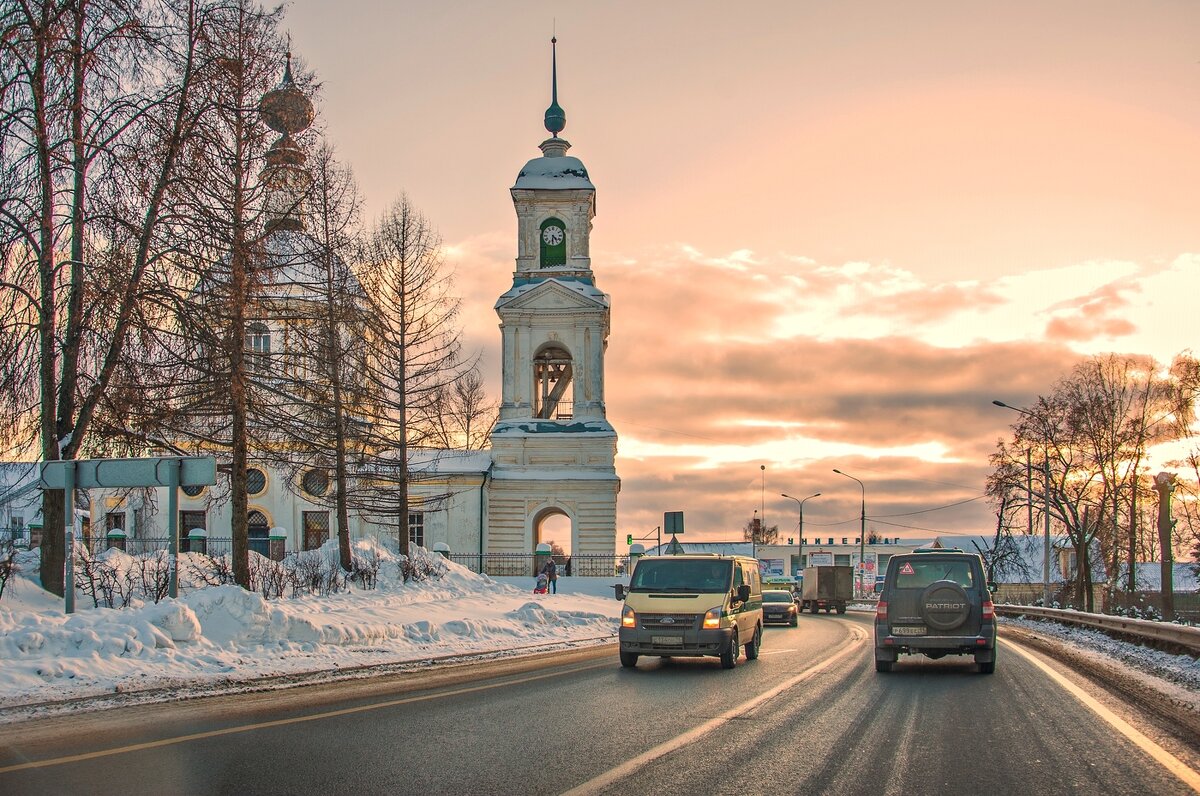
(316, 529)
(258, 344)
(551, 380)
(259, 531)
(416, 528)
(552, 237)
(315, 482)
(190, 521)
(256, 481)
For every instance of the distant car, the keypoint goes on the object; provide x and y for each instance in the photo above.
(935, 602)
(778, 606)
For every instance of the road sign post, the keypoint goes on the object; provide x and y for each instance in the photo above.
(171, 472)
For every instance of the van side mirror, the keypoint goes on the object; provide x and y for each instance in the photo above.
(619, 590)
(743, 592)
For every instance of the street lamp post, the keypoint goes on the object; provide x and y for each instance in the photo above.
(862, 533)
(1046, 498)
(762, 504)
(800, 553)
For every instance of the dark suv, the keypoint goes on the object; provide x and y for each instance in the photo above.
(935, 602)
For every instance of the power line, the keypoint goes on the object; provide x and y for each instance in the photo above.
(936, 508)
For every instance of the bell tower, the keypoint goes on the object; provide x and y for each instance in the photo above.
(552, 447)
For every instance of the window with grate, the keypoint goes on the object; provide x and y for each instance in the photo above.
(315, 482)
(188, 522)
(256, 481)
(192, 491)
(316, 529)
(416, 528)
(259, 530)
(114, 520)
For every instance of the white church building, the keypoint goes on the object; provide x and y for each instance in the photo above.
(552, 455)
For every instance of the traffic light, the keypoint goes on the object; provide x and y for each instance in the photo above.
(629, 538)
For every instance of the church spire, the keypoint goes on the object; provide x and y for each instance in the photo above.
(556, 117)
(286, 110)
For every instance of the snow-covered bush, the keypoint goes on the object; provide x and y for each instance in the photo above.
(113, 579)
(365, 567)
(421, 565)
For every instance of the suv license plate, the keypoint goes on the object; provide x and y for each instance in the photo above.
(667, 641)
(911, 630)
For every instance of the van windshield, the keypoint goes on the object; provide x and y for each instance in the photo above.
(674, 575)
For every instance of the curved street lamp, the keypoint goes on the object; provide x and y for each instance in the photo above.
(862, 533)
(800, 555)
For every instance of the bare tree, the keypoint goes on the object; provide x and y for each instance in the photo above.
(415, 351)
(83, 80)
(759, 534)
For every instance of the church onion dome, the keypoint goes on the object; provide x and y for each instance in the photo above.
(284, 108)
(562, 172)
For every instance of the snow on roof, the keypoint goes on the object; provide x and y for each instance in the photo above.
(1023, 567)
(554, 173)
(519, 427)
(585, 289)
(447, 462)
(1184, 577)
(721, 548)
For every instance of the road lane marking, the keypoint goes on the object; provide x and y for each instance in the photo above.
(1164, 758)
(776, 652)
(598, 783)
(197, 736)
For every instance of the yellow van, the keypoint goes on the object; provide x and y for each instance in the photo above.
(692, 605)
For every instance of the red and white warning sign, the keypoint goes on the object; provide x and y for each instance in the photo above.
(907, 569)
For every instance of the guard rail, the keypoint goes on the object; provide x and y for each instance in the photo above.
(1181, 635)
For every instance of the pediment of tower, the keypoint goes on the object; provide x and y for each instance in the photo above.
(554, 295)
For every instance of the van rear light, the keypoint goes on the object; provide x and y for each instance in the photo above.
(989, 611)
(881, 611)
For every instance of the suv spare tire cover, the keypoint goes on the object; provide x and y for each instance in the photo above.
(944, 605)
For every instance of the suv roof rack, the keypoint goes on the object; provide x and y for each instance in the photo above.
(938, 550)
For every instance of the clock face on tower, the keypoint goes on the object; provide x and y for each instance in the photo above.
(552, 235)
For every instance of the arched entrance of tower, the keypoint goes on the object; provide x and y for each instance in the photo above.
(554, 526)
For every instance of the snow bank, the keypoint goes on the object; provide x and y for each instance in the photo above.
(219, 634)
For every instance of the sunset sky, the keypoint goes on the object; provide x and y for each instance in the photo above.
(832, 232)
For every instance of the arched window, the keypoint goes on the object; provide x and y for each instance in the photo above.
(259, 531)
(551, 380)
(553, 240)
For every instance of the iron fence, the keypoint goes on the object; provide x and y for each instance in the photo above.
(527, 564)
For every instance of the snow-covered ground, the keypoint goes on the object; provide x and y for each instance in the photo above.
(222, 637)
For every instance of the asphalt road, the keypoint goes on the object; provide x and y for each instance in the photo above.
(809, 716)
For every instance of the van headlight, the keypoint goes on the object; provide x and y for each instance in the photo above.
(628, 617)
(712, 618)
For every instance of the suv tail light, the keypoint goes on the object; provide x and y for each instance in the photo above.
(881, 611)
(989, 611)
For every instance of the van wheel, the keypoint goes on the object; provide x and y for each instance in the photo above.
(629, 659)
(730, 655)
(841, 609)
(755, 645)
